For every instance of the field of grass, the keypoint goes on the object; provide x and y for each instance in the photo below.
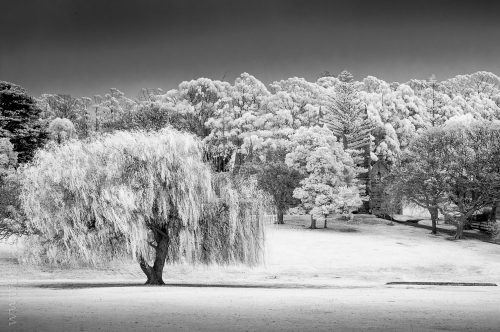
(311, 280)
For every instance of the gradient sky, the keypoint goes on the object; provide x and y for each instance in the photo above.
(84, 47)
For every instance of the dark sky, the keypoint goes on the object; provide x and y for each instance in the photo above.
(83, 47)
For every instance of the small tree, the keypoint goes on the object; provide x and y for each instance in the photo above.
(328, 171)
(277, 179)
(348, 200)
(148, 195)
(61, 130)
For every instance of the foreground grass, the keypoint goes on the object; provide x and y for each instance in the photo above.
(321, 280)
(239, 309)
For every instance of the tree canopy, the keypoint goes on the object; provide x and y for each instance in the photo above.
(145, 195)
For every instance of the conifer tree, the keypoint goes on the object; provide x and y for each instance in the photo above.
(20, 121)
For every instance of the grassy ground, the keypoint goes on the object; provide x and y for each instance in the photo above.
(319, 279)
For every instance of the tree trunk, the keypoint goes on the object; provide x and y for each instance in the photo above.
(325, 225)
(238, 161)
(344, 141)
(154, 273)
(434, 217)
(280, 217)
(460, 227)
(313, 222)
(493, 213)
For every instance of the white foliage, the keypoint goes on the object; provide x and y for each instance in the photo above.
(327, 167)
(101, 197)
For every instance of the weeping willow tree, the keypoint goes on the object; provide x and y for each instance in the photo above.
(144, 195)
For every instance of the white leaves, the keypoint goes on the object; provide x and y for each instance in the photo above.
(118, 183)
(327, 167)
(460, 120)
(61, 129)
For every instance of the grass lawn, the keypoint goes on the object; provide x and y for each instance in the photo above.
(319, 279)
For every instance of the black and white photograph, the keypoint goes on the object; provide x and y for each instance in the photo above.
(249, 165)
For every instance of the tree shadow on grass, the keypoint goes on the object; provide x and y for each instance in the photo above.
(450, 233)
(337, 228)
(187, 285)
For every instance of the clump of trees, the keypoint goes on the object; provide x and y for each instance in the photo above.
(147, 195)
(329, 183)
(261, 139)
(454, 170)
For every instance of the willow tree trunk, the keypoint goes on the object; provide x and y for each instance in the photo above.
(434, 217)
(154, 273)
(325, 224)
(313, 223)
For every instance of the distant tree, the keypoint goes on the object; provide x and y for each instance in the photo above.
(422, 174)
(20, 121)
(77, 110)
(146, 116)
(329, 183)
(8, 158)
(277, 179)
(11, 221)
(197, 102)
(346, 114)
(61, 130)
(436, 101)
(147, 195)
(481, 82)
(326, 73)
(394, 85)
(267, 139)
(234, 119)
(397, 117)
(454, 170)
(347, 200)
(347, 117)
(149, 94)
(60, 106)
(112, 111)
(472, 154)
(85, 124)
(305, 100)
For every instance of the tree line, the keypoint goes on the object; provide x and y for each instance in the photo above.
(308, 144)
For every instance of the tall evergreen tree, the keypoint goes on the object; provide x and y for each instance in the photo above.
(20, 121)
(347, 117)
